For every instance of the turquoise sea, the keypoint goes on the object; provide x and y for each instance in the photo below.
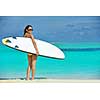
(82, 61)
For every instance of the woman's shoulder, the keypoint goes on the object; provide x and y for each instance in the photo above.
(24, 35)
(27, 35)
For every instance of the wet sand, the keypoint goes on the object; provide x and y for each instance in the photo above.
(49, 81)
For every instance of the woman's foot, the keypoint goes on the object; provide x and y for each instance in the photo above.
(32, 78)
(27, 78)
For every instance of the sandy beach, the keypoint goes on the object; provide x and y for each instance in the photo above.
(49, 81)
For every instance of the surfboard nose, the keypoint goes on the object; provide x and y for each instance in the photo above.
(5, 41)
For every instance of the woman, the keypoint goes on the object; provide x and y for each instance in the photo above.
(31, 57)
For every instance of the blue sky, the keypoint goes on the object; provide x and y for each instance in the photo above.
(68, 29)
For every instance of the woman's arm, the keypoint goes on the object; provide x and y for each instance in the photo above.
(34, 43)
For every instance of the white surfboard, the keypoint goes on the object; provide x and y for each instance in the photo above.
(26, 45)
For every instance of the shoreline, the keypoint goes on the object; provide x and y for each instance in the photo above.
(49, 81)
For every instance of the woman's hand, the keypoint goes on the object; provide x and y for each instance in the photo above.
(37, 53)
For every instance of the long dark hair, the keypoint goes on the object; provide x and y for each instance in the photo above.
(27, 28)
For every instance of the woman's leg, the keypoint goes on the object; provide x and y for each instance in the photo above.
(29, 67)
(34, 57)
